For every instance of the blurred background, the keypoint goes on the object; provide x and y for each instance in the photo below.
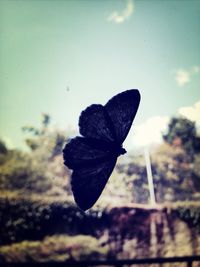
(58, 57)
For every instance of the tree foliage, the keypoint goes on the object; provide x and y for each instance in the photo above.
(35, 189)
(39, 170)
(182, 132)
(57, 248)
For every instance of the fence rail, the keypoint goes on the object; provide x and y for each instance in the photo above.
(115, 263)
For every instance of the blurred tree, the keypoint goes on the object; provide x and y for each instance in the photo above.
(46, 119)
(44, 138)
(56, 248)
(3, 148)
(173, 174)
(131, 179)
(182, 132)
(39, 170)
(3, 152)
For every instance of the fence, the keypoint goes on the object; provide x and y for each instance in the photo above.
(115, 263)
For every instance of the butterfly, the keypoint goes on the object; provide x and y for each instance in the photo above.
(93, 155)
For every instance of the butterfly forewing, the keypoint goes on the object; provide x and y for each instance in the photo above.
(88, 183)
(122, 109)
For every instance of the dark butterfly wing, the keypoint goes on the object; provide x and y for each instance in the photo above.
(88, 183)
(93, 156)
(122, 109)
(94, 122)
(79, 152)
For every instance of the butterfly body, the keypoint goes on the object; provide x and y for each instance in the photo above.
(110, 148)
(93, 155)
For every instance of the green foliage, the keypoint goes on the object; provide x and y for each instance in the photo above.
(189, 214)
(173, 174)
(39, 171)
(45, 122)
(57, 248)
(22, 171)
(183, 131)
(42, 171)
(34, 217)
(134, 179)
(45, 139)
(4, 152)
(35, 189)
(3, 148)
(14, 169)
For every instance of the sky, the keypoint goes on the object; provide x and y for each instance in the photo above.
(59, 57)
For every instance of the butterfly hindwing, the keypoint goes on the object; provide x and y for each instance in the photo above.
(94, 123)
(88, 183)
(122, 109)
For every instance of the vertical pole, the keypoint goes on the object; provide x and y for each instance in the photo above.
(149, 177)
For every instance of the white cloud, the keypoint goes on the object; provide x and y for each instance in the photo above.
(191, 112)
(120, 17)
(183, 77)
(148, 132)
(196, 69)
